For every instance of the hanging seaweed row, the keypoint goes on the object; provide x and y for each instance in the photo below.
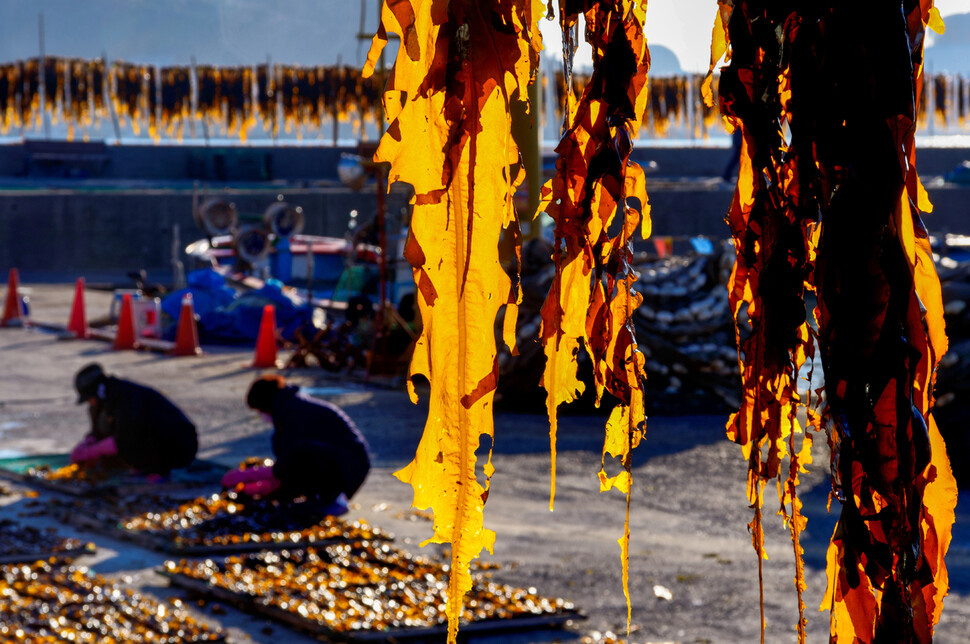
(672, 102)
(946, 102)
(166, 101)
(676, 102)
(171, 101)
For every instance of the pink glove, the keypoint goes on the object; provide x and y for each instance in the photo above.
(88, 441)
(233, 478)
(262, 487)
(91, 449)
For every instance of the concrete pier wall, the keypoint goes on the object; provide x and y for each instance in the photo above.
(76, 208)
(65, 231)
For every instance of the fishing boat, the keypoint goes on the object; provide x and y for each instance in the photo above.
(329, 269)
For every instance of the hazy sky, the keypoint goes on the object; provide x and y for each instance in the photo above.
(227, 32)
(684, 26)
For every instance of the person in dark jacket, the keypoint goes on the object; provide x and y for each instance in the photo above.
(319, 452)
(133, 422)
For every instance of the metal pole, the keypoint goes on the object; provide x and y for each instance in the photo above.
(157, 113)
(178, 270)
(270, 98)
(381, 242)
(550, 102)
(383, 67)
(378, 344)
(527, 132)
(333, 109)
(204, 118)
(309, 282)
(42, 67)
(67, 98)
(278, 114)
(691, 109)
(700, 105)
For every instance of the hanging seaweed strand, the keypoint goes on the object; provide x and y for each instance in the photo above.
(880, 320)
(834, 208)
(773, 232)
(591, 299)
(459, 67)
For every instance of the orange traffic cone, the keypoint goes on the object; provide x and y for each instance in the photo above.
(265, 357)
(78, 324)
(125, 338)
(13, 309)
(187, 337)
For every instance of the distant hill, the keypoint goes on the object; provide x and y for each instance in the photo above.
(951, 51)
(664, 62)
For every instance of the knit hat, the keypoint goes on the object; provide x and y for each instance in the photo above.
(263, 390)
(87, 381)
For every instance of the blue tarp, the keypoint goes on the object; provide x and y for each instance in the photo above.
(227, 317)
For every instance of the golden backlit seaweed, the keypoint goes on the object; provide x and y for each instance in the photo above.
(22, 89)
(962, 96)
(129, 94)
(84, 94)
(29, 104)
(53, 73)
(773, 232)
(849, 97)
(10, 83)
(265, 104)
(591, 300)
(887, 575)
(74, 93)
(946, 106)
(176, 100)
(312, 96)
(448, 101)
(940, 96)
(719, 47)
(670, 100)
(225, 98)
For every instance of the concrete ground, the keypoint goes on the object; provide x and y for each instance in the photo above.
(693, 573)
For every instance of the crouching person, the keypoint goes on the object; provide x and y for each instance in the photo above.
(319, 452)
(133, 423)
